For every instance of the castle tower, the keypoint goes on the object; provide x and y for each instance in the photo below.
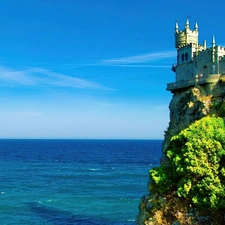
(186, 36)
(186, 42)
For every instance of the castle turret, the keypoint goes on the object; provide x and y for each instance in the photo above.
(186, 36)
(186, 42)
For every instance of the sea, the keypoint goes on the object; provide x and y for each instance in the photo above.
(68, 182)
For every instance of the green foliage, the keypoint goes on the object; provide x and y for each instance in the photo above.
(194, 166)
(221, 110)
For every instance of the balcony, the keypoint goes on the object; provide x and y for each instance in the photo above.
(193, 81)
(174, 67)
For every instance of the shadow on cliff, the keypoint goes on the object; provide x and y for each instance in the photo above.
(61, 217)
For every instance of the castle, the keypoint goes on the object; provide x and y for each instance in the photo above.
(196, 64)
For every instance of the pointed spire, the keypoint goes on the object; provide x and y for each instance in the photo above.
(196, 26)
(187, 24)
(213, 41)
(176, 27)
(204, 44)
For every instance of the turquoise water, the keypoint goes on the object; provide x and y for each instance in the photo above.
(71, 182)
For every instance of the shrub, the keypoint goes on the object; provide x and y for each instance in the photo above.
(194, 166)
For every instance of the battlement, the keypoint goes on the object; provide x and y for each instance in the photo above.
(217, 49)
(220, 48)
(203, 51)
(186, 36)
(187, 45)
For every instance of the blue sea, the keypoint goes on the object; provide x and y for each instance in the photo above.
(67, 182)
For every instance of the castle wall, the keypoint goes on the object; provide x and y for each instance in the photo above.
(220, 53)
(220, 50)
(185, 54)
(203, 62)
(184, 71)
(222, 65)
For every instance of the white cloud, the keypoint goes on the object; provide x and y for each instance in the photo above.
(140, 59)
(40, 76)
(12, 76)
(154, 59)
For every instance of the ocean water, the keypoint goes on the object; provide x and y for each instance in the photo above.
(67, 182)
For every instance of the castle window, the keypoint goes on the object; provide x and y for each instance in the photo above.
(205, 71)
(182, 57)
(186, 56)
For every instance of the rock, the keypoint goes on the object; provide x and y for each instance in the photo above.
(191, 104)
(187, 105)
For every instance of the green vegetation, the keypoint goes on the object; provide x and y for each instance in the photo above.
(191, 177)
(221, 110)
(219, 107)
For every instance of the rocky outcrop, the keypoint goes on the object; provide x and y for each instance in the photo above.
(187, 105)
(191, 104)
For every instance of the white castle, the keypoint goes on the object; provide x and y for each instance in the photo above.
(196, 64)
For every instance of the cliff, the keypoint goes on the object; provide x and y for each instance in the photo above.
(187, 105)
(193, 103)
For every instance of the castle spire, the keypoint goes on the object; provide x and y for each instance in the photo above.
(187, 24)
(176, 27)
(196, 26)
(213, 41)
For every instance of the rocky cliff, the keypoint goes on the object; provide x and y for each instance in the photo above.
(188, 105)
(193, 103)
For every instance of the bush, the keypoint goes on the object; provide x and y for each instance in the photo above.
(194, 166)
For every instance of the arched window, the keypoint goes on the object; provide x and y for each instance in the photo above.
(186, 56)
(205, 71)
(182, 57)
(187, 73)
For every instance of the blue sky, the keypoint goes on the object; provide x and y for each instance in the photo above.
(93, 68)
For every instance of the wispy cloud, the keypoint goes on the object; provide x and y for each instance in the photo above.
(44, 77)
(154, 59)
(39, 76)
(137, 59)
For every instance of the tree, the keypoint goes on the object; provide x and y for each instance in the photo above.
(194, 167)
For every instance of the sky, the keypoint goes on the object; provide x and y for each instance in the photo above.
(93, 69)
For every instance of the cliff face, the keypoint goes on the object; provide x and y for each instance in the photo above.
(191, 104)
(187, 105)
